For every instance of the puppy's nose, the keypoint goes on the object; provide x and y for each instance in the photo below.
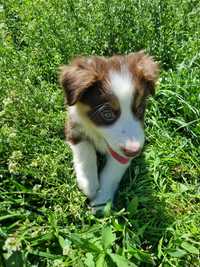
(132, 149)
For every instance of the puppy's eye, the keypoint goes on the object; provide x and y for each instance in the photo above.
(140, 110)
(107, 114)
(104, 114)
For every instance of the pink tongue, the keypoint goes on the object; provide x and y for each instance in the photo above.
(119, 158)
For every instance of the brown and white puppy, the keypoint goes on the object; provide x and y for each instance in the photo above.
(106, 100)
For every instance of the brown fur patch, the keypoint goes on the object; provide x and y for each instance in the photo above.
(72, 134)
(145, 72)
(139, 106)
(99, 97)
(80, 75)
(115, 63)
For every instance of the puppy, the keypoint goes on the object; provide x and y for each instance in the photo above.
(106, 99)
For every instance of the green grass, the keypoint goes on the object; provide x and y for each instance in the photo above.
(44, 219)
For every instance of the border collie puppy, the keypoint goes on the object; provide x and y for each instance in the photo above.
(106, 99)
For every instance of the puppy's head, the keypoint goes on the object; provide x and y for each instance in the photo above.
(110, 96)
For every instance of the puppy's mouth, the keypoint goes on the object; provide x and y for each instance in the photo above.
(118, 157)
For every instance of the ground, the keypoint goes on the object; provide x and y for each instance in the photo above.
(44, 218)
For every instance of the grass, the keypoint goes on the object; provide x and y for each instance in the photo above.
(44, 219)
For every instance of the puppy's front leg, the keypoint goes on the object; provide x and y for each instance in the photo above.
(85, 164)
(110, 178)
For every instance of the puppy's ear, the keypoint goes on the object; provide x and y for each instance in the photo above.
(145, 69)
(76, 78)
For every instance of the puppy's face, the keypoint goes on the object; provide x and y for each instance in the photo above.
(110, 96)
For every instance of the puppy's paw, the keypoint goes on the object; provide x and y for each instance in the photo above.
(101, 209)
(102, 197)
(101, 201)
(89, 189)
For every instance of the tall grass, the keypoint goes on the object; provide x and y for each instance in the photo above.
(44, 219)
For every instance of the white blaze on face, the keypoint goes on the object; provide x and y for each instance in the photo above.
(127, 129)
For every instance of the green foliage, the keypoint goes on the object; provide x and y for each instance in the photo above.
(44, 219)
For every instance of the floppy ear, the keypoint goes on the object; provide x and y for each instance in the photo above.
(76, 78)
(145, 69)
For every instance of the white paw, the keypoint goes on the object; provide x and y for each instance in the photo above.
(89, 189)
(98, 209)
(101, 199)
(101, 209)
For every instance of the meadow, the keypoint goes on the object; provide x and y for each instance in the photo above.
(44, 218)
